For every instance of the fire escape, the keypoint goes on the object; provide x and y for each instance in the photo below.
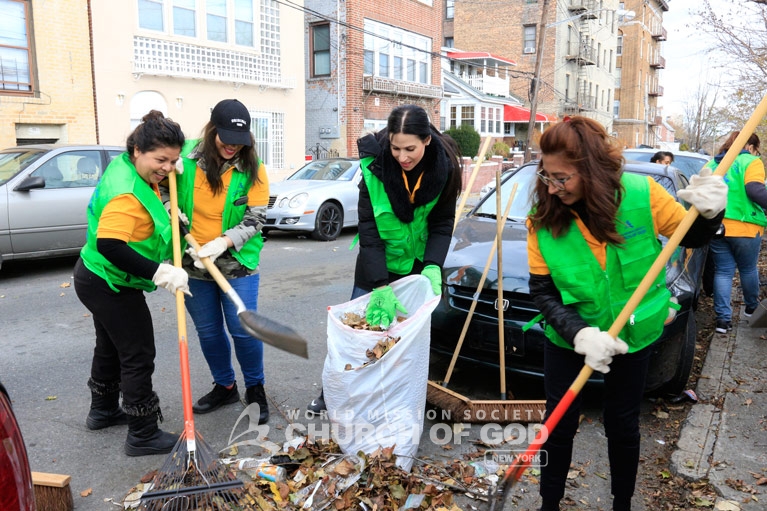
(582, 54)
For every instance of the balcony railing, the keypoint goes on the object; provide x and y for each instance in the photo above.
(582, 5)
(655, 90)
(170, 58)
(488, 84)
(658, 62)
(392, 86)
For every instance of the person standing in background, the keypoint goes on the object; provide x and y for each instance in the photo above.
(663, 158)
(411, 181)
(744, 222)
(223, 193)
(129, 237)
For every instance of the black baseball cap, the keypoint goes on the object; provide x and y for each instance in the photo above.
(232, 122)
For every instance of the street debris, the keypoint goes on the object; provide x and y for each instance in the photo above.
(320, 477)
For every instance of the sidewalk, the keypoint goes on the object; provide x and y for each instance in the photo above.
(724, 438)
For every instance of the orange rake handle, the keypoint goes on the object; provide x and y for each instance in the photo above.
(515, 471)
(183, 345)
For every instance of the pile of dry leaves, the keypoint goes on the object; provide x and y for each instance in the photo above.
(320, 477)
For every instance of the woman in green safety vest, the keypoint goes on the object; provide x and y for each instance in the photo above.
(223, 193)
(411, 181)
(129, 237)
(592, 238)
(744, 222)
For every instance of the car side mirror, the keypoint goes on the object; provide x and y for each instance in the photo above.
(30, 183)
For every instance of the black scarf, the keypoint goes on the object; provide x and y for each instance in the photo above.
(434, 165)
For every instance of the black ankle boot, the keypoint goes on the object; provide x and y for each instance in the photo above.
(105, 406)
(145, 438)
(216, 398)
(257, 395)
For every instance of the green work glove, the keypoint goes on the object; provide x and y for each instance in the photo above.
(383, 306)
(434, 274)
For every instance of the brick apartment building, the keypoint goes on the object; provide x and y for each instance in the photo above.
(578, 52)
(365, 57)
(637, 117)
(46, 81)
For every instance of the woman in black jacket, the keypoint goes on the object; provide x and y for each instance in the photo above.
(411, 181)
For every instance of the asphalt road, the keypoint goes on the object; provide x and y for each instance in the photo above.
(46, 348)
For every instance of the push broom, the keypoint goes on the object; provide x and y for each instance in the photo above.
(480, 411)
(191, 477)
(515, 471)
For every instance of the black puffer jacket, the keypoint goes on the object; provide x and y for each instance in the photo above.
(370, 271)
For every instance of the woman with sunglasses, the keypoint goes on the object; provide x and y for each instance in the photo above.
(224, 192)
(592, 238)
(744, 223)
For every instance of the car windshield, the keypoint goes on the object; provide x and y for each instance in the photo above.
(13, 162)
(690, 165)
(333, 170)
(524, 178)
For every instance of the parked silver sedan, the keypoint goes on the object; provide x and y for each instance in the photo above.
(320, 198)
(44, 194)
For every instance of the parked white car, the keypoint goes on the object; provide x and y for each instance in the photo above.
(320, 198)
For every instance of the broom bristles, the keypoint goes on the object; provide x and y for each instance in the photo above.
(49, 498)
(463, 409)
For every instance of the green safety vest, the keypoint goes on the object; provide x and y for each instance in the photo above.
(739, 206)
(239, 186)
(120, 178)
(404, 242)
(599, 295)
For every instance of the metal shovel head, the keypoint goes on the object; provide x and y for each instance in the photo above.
(271, 332)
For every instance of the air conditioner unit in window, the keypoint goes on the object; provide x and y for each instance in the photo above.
(529, 49)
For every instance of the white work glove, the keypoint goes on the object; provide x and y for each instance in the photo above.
(599, 348)
(708, 193)
(171, 278)
(211, 249)
(181, 216)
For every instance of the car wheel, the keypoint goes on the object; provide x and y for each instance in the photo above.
(681, 354)
(329, 221)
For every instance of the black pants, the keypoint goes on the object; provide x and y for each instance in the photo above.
(623, 390)
(125, 349)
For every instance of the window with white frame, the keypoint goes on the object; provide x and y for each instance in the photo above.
(467, 115)
(453, 116)
(616, 108)
(619, 48)
(221, 21)
(449, 9)
(392, 52)
(269, 133)
(184, 18)
(15, 47)
(373, 125)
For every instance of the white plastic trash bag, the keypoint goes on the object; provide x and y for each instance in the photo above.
(380, 404)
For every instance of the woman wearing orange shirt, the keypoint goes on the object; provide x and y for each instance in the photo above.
(592, 238)
(129, 237)
(224, 192)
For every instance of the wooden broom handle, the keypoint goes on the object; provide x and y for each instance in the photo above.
(476, 295)
(499, 265)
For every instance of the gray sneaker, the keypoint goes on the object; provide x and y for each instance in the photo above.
(317, 405)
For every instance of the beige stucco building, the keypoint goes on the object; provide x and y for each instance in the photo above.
(183, 60)
(46, 87)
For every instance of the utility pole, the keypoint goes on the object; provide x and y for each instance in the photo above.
(535, 85)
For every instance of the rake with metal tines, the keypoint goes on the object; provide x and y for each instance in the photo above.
(192, 477)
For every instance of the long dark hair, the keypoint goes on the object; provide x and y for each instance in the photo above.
(246, 155)
(752, 140)
(155, 131)
(413, 120)
(598, 159)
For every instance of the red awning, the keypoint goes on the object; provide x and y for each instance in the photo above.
(512, 113)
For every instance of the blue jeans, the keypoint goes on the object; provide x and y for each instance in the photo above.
(729, 254)
(210, 308)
